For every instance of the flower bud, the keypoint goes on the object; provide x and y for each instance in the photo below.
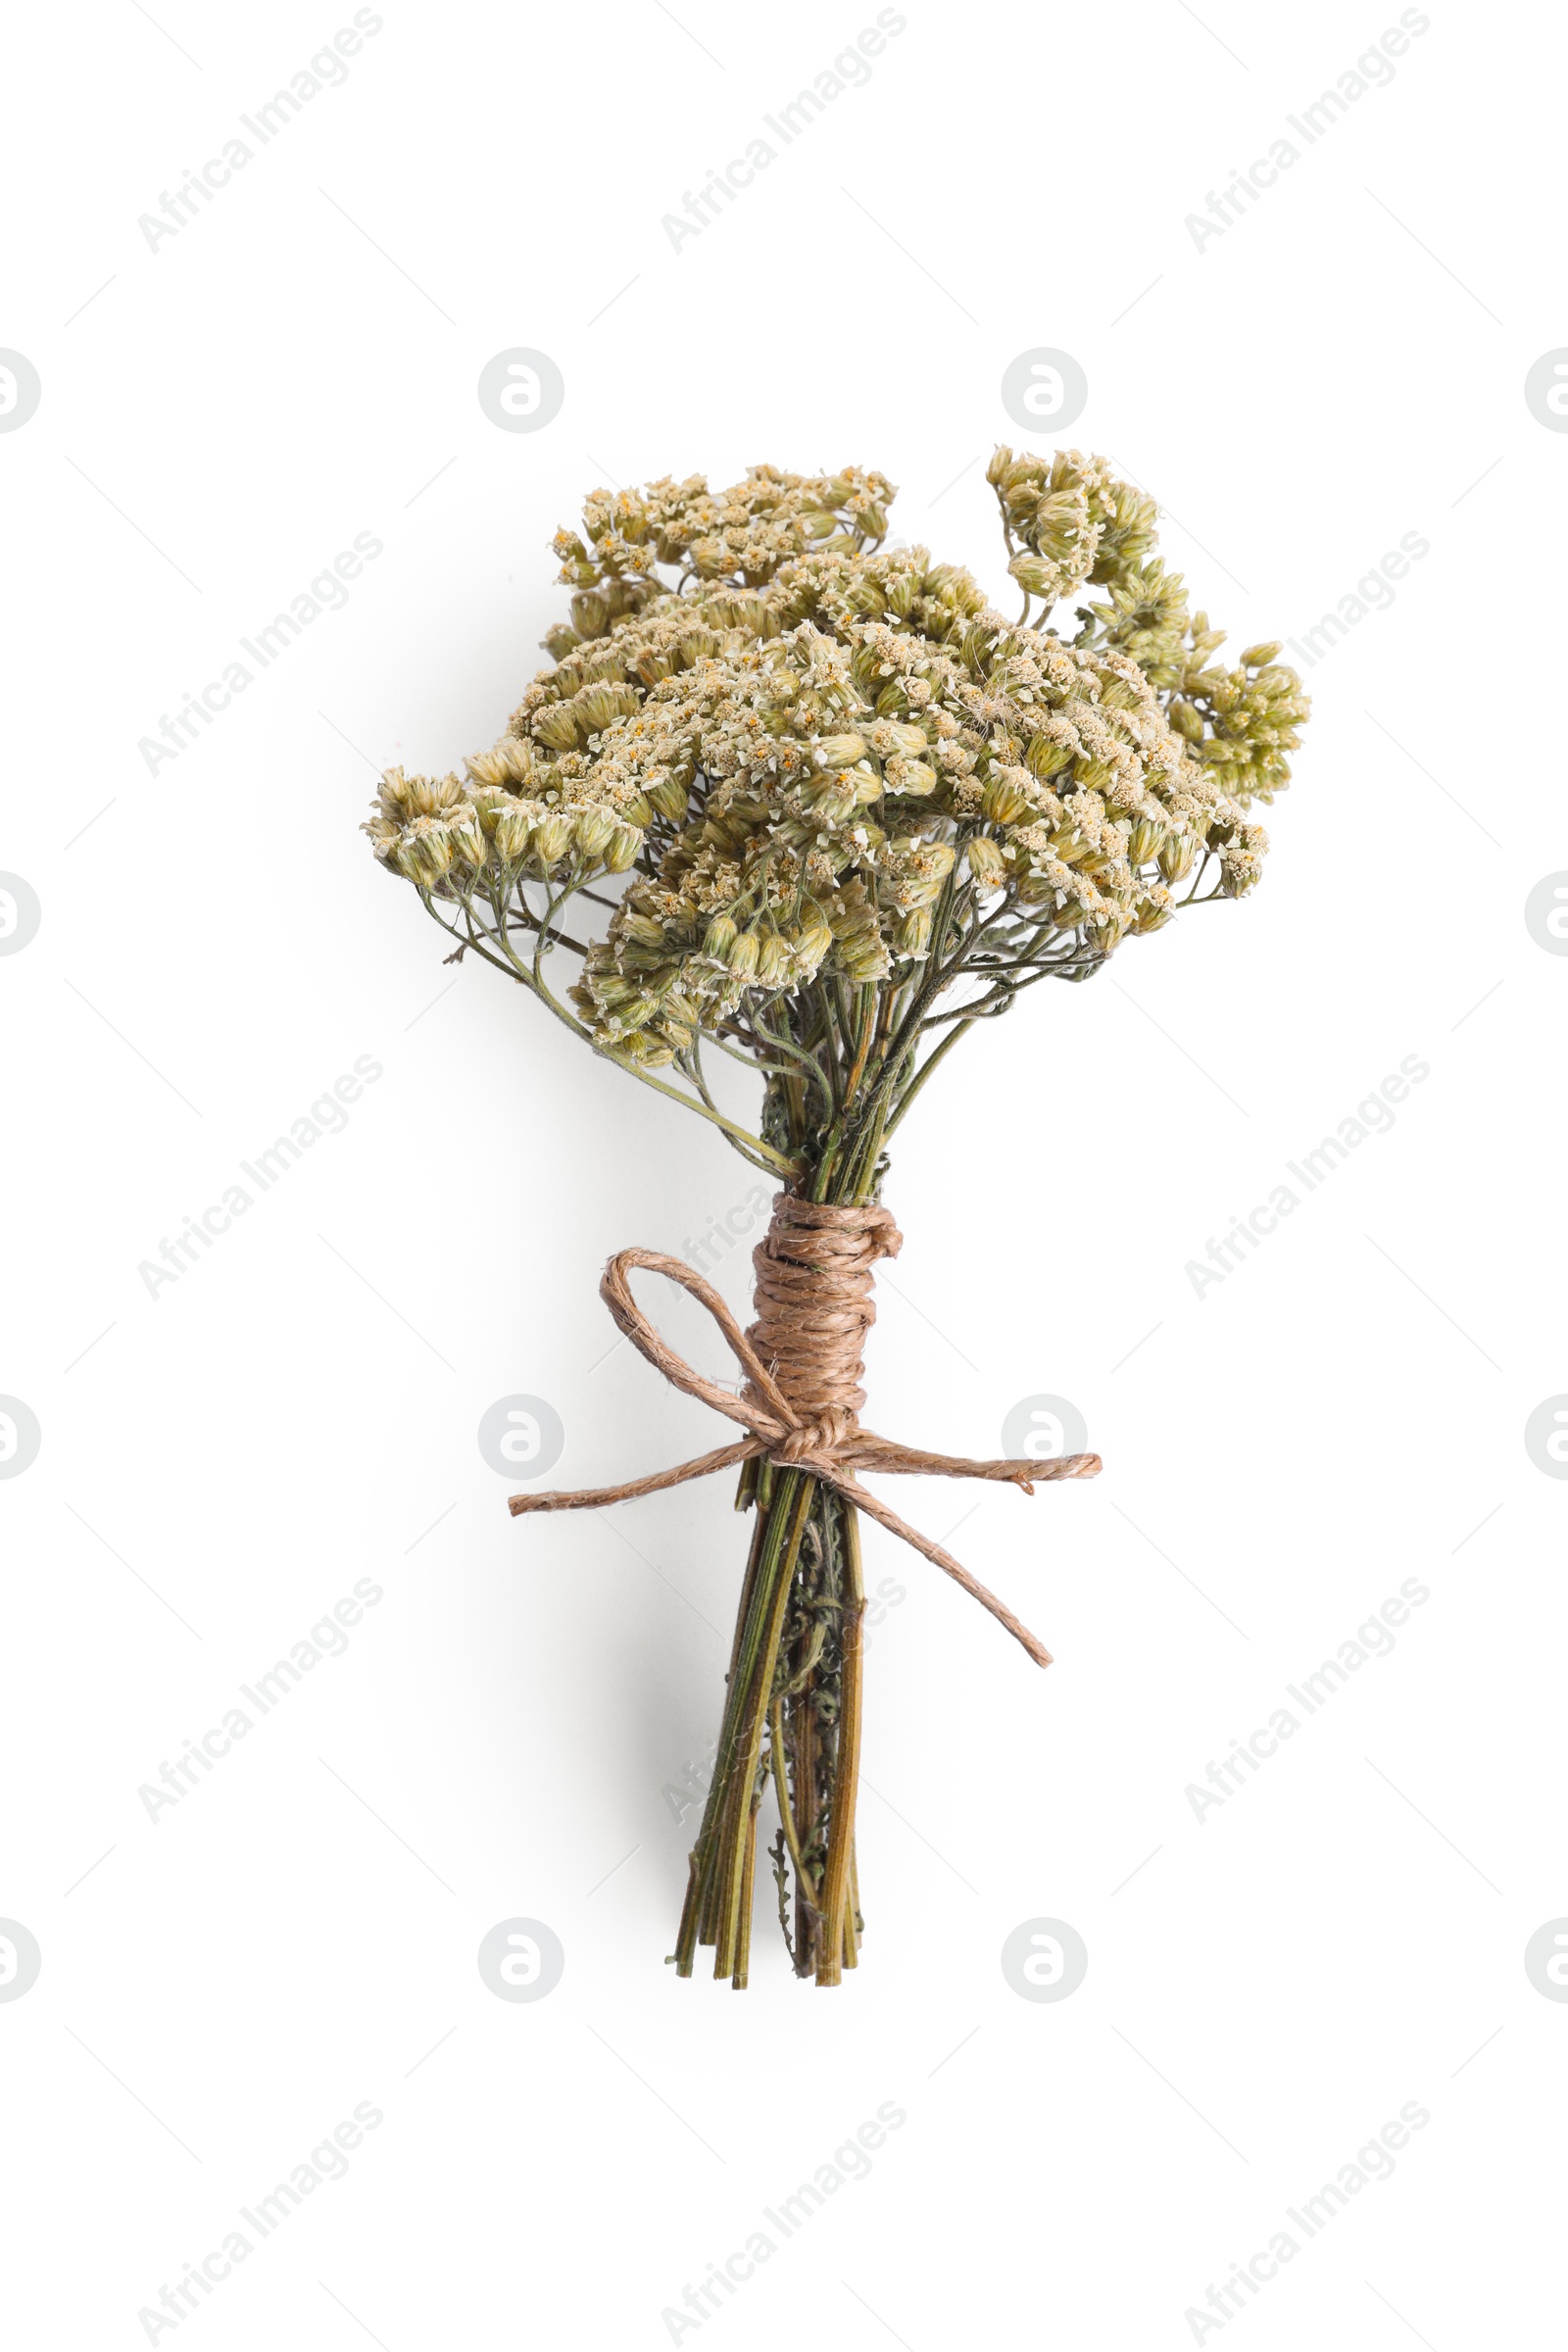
(834, 798)
(427, 795)
(552, 837)
(595, 830)
(668, 795)
(626, 842)
(487, 801)
(556, 725)
(914, 931)
(839, 751)
(426, 851)
(468, 836)
(603, 704)
(487, 767)
(1002, 801)
(1046, 758)
(1176, 854)
(1258, 656)
(773, 960)
(590, 614)
(986, 862)
(814, 943)
(913, 777)
(513, 824)
(864, 959)
(1035, 575)
(743, 953)
(1143, 841)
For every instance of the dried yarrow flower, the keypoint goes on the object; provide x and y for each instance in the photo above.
(790, 795)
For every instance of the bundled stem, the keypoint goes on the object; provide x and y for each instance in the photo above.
(792, 1716)
(795, 1679)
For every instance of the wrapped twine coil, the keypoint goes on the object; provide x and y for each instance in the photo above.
(802, 1358)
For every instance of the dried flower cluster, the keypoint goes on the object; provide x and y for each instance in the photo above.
(825, 767)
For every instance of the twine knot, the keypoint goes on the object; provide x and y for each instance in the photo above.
(824, 1433)
(802, 1358)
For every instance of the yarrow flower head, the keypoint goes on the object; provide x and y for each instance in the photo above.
(824, 766)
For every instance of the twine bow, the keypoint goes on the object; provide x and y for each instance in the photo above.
(819, 1292)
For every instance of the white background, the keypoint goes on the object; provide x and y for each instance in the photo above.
(221, 1462)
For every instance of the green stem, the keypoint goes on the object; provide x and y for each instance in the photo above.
(775, 1753)
(755, 1680)
(750, 1147)
(925, 1071)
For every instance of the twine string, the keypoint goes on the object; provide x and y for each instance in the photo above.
(802, 1397)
